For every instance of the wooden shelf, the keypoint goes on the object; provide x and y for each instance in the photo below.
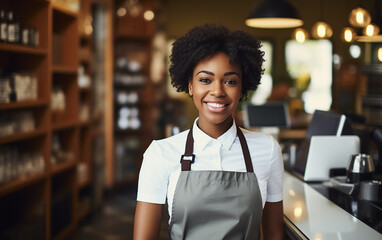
(61, 69)
(128, 131)
(85, 123)
(139, 131)
(23, 136)
(61, 8)
(21, 183)
(57, 126)
(23, 104)
(61, 167)
(85, 89)
(20, 49)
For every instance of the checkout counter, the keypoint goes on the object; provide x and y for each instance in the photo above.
(318, 212)
(313, 208)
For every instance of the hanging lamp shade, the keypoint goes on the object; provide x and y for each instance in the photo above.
(274, 14)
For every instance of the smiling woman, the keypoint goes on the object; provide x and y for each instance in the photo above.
(234, 189)
(216, 91)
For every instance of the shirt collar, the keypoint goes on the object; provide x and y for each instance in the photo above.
(201, 139)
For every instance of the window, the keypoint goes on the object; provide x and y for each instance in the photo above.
(265, 88)
(309, 64)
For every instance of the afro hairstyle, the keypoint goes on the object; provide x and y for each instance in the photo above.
(202, 41)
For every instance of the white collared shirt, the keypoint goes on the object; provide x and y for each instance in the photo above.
(161, 163)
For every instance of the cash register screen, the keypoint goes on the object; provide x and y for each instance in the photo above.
(328, 123)
(322, 123)
(266, 115)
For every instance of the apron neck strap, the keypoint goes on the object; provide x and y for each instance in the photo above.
(244, 148)
(188, 157)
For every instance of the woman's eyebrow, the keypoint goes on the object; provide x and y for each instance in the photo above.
(206, 72)
(231, 73)
(212, 74)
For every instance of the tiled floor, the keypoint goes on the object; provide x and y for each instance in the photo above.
(114, 220)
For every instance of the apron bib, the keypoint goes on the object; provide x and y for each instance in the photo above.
(216, 204)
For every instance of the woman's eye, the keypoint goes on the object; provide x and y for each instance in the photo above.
(231, 82)
(204, 80)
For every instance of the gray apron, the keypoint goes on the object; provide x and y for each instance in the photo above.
(216, 204)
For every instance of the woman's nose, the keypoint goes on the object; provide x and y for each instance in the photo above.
(217, 89)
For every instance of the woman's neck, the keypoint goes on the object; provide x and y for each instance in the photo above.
(215, 130)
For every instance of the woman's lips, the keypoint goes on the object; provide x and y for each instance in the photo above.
(216, 107)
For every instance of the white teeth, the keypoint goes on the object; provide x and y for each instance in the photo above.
(217, 105)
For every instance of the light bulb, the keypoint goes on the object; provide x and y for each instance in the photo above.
(321, 30)
(380, 54)
(371, 30)
(359, 17)
(148, 15)
(348, 34)
(355, 51)
(121, 12)
(300, 35)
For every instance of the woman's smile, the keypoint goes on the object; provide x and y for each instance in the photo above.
(216, 107)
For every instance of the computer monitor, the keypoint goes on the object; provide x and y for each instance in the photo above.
(329, 124)
(274, 114)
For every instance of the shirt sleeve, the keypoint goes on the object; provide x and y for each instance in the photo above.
(153, 176)
(275, 180)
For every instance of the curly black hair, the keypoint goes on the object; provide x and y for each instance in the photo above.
(202, 41)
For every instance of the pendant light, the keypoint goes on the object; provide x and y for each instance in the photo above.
(300, 35)
(371, 30)
(274, 14)
(371, 33)
(131, 7)
(348, 34)
(359, 17)
(321, 30)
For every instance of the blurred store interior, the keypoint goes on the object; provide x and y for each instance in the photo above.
(84, 89)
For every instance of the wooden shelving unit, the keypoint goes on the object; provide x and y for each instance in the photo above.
(24, 198)
(135, 103)
(48, 181)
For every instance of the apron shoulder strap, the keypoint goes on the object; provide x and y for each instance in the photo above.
(188, 157)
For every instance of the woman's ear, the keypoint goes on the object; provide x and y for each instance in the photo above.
(190, 88)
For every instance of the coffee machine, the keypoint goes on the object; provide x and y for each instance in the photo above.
(363, 179)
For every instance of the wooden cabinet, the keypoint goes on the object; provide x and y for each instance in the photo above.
(47, 126)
